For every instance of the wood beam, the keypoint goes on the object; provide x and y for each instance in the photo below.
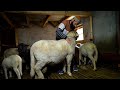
(7, 19)
(91, 31)
(16, 37)
(54, 23)
(67, 13)
(28, 20)
(46, 20)
(63, 19)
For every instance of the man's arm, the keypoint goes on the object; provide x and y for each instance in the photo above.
(59, 31)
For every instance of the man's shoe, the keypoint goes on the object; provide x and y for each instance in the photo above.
(61, 72)
(75, 68)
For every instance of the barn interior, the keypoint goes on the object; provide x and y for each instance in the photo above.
(100, 27)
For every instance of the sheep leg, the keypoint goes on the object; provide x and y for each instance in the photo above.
(69, 59)
(84, 61)
(36, 77)
(10, 74)
(38, 68)
(93, 61)
(5, 72)
(17, 73)
(64, 67)
(44, 70)
(80, 58)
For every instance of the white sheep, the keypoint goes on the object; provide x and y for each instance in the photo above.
(11, 51)
(89, 49)
(50, 52)
(12, 62)
(22, 51)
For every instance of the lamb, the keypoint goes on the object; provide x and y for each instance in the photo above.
(52, 52)
(12, 62)
(11, 51)
(89, 49)
(23, 51)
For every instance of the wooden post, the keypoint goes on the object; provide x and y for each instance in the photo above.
(16, 37)
(28, 21)
(91, 31)
(118, 30)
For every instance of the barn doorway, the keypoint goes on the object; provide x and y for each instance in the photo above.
(81, 35)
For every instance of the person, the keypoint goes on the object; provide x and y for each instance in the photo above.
(61, 33)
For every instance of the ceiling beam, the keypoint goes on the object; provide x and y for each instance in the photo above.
(54, 23)
(7, 19)
(67, 13)
(46, 20)
(63, 19)
(28, 21)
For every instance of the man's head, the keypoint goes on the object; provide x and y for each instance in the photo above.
(74, 22)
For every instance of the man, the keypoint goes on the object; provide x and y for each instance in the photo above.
(61, 33)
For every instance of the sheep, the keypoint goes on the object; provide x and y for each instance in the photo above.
(14, 62)
(11, 51)
(89, 49)
(44, 52)
(23, 51)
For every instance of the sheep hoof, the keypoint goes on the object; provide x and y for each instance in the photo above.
(95, 69)
(70, 74)
(64, 71)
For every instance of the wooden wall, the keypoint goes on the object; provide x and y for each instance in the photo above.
(7, 39)
(35, 33)
(105, 31)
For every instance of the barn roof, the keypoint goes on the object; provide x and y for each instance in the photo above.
(41, 18)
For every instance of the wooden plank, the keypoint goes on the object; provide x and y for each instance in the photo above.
(91, 30)
(67, 13)
(28, 21)
(63, 19)
(7, 19)
(118, 30)
(54, 23)
(16, 37)
(46, 20)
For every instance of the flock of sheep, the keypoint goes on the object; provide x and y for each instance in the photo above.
(44, 52)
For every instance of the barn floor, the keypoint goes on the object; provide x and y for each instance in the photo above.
(105, 71)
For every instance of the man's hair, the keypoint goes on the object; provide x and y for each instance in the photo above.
(76, 19)
(72, 26)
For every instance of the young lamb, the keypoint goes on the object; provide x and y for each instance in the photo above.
(10, 51)
(14, 62)
(23, 51)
